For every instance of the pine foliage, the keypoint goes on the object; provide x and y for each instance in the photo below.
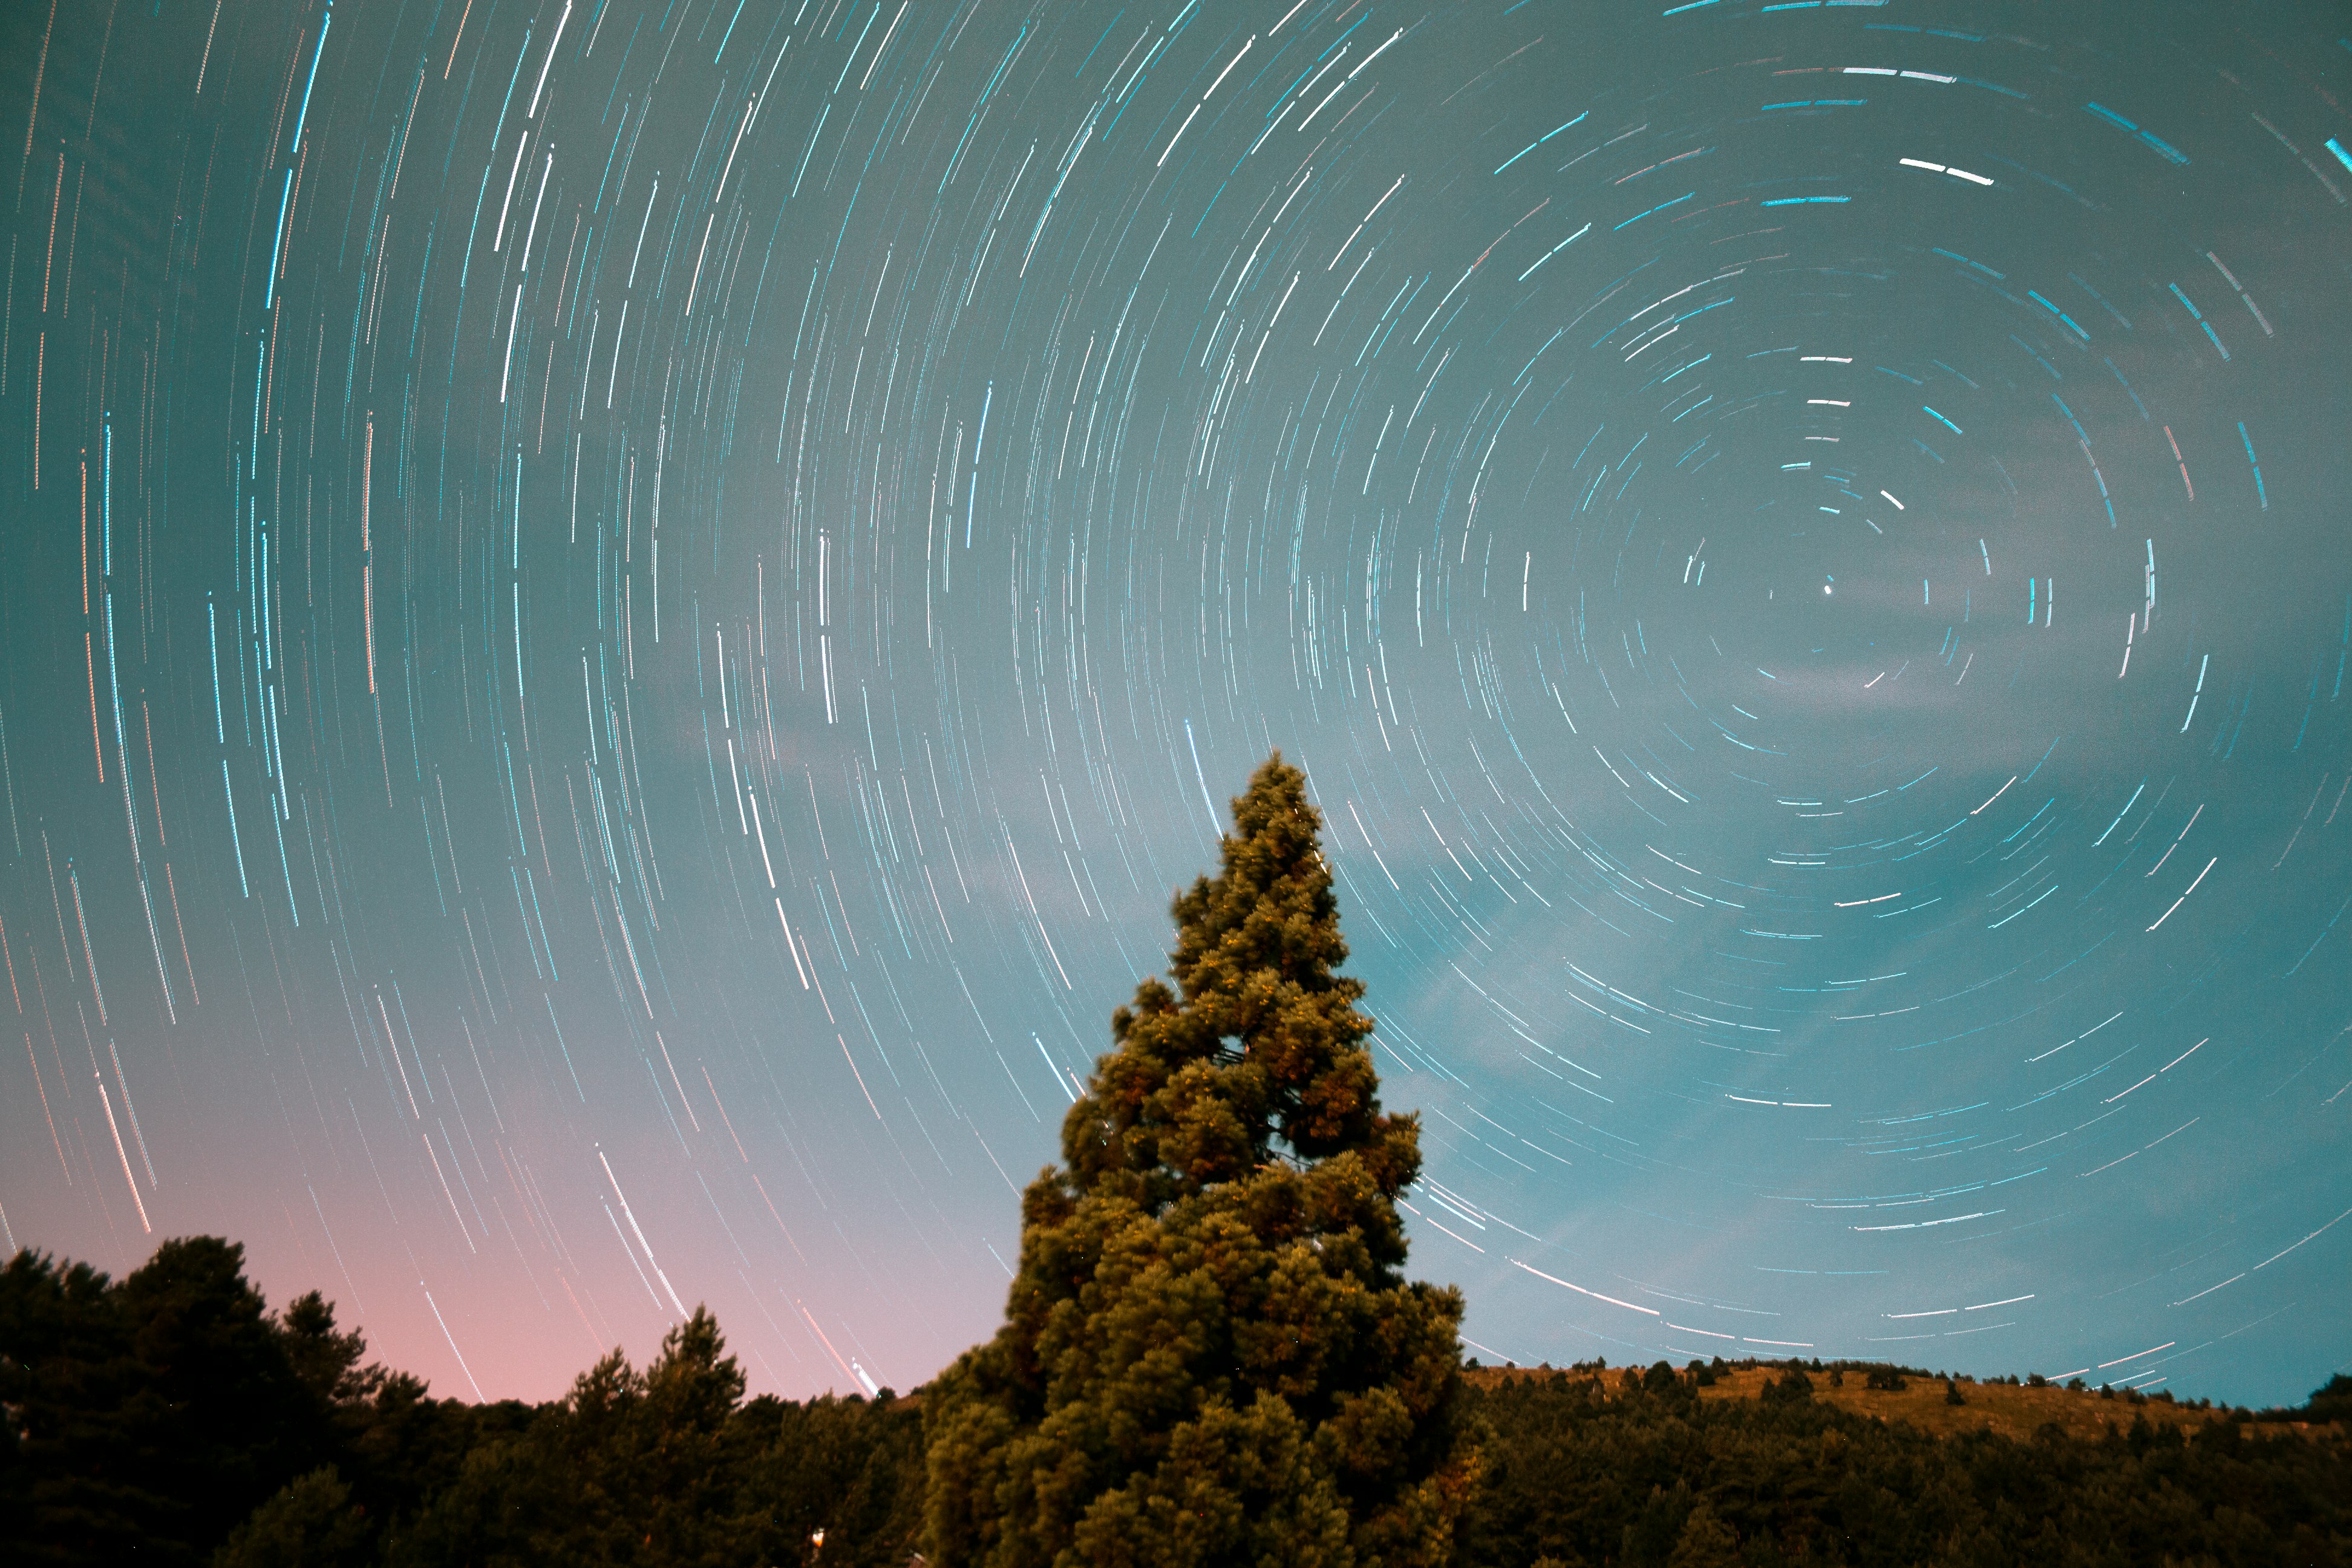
(167, 1417)
(1209, 1353)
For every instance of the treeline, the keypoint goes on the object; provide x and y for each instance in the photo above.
(169, 1418)
(1635, 1467)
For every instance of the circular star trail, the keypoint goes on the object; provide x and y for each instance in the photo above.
(620, 618)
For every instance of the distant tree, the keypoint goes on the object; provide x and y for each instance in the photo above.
(310, 1523)
(1650, 1536)
(1705, 1542)
(850, 1467)
(1624, 1480)
(630, 1466)
(2332, 1401)
(326, 1360)
(402, 1448)
(146, 1416)
(1210, 1354)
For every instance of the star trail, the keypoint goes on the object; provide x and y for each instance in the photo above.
(619, 619)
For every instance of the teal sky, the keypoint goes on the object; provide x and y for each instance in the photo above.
(619, 619)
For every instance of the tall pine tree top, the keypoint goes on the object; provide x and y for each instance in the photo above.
(1210, 1354)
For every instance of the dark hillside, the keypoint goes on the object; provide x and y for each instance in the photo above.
(169, 1417)
(1768, 1466)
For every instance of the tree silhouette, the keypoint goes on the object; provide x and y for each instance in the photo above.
(1209, 1353)
(631, 1466)
(146, 1416)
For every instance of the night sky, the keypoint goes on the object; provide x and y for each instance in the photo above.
(618, 619)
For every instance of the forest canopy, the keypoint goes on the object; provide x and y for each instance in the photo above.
(169, 1417)
(1211, 1355)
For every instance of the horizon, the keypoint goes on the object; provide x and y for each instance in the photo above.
(1866, 882)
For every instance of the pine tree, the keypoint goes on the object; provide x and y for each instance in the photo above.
(1209, 1352)
(146, 1416)
(632, 1465)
